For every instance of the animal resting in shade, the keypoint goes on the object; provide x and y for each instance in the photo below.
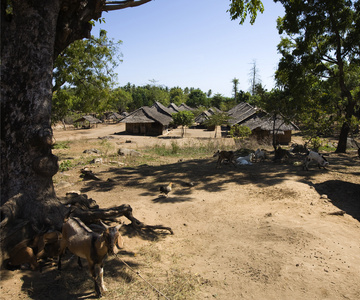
(166, 189)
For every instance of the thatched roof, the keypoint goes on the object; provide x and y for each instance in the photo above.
(206, 114)
(173, 108)
(267, 123)
(254, 118)
(114, 116)
(147, 114)
(183, 107)
(88, 118)
(241, 113)
(162, 109)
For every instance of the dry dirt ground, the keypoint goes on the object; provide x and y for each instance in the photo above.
(265, 231)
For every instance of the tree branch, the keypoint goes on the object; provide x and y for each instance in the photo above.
(116, 5)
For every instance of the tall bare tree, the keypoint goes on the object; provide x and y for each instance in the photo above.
(254, 77)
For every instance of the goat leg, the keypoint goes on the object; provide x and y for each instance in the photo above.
(95, 274)
(59, 262)
(80, 263)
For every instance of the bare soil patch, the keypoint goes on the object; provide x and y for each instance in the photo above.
(265, 231)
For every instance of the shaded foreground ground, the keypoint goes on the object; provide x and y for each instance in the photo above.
(265, 231)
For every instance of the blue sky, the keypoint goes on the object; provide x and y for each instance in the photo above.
(193, 43)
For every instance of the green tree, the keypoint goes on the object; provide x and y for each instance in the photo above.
(197, 98)
(239, 133)
(235, 82)
(87, 66)
(217, 119)
(322, 41)
(281, 107)
(120, 100)
(177, 96)
(157, 93)
(217, 100)
(183, 119)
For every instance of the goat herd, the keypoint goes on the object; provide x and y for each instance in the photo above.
(229, 157)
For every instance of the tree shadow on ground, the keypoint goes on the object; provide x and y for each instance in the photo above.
(147, 234)
(188, 176)
(344, 195)
(72, 283)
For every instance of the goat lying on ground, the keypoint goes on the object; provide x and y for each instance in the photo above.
(297, 148)
(224, 155)
(314, 156)
(23, 253)
(260, 154)
(85, 243)
(246, 160)
(29, 251)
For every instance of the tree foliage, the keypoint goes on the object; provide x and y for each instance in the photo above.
(217, 119)
(321, 44)
(183, 118)
(197, 98)
(84, 75)
(240, 9)
(239, 131)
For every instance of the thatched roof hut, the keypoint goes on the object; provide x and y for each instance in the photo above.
(114, 116)
(148, 121)
(88, 118)
(206, 115)
(261, 123)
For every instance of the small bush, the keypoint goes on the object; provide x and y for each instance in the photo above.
(62, 145)
(65, 165)
(238, 131)
(175, 148)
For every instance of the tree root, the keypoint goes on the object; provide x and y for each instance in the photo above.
(91, 214)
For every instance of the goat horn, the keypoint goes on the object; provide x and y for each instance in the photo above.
(119, 226)
(103, 224)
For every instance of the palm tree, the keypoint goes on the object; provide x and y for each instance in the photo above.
(235, 81)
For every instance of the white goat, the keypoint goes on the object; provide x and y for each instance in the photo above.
(246, 160)
(260, 154)
(85, 243)
(318, 158)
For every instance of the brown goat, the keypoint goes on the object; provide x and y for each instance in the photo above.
(85, 243)
(224, 155)
(21, 254)
(30, 250)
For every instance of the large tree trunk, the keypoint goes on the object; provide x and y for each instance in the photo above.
(33, 33)
(27, 164)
